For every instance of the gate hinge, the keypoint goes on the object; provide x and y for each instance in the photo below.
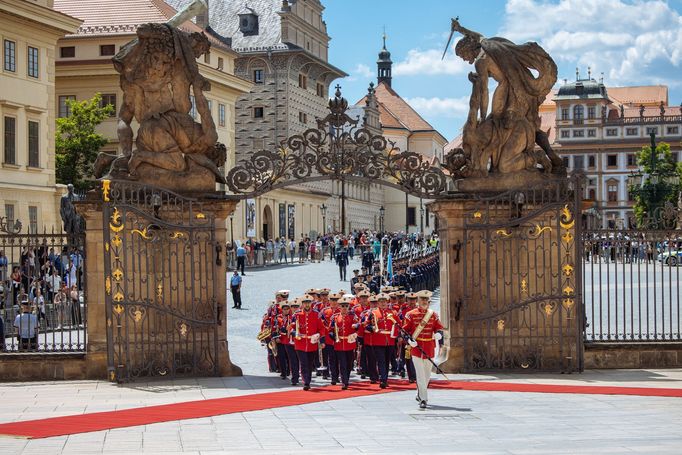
(458, 309)
(457, 246)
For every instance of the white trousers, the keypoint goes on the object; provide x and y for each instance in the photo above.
(423, 369)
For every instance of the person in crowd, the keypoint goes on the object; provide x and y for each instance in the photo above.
(241, 258)
(74, 297)
(236, 288)
(26, 324)
(343, 262)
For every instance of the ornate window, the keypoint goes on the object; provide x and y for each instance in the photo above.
(612, 189)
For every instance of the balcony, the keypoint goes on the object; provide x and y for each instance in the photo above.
(648, 120)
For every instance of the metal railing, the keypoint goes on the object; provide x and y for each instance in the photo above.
(42, 293)
(631, 285)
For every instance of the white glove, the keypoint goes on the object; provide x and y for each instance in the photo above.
(352, 337)
(315, 338)
(437, 336)
(412, 343)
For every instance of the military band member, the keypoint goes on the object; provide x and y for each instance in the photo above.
(344, 329)
(424, 329)
(381, 322)
(308, 338)
(288, 342)
(329, 354)
(282, 322)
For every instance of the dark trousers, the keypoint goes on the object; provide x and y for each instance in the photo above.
(76, 312)
(292, 358)
(331, 361)
(273, 366)
(364, 359)
(282, 360)
(392, 358)
(342, 272)
(345, 364)
(372, 367)
(240, 263)
(236, 296)
(381, 357)
(307, 362)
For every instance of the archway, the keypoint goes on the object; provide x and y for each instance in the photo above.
(267, 223)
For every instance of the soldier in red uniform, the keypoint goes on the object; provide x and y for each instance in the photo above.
(405, 349)
(287, 341)
(309, 331)
(344, 329)
(381, 322)
(424, 329)
(329, 354)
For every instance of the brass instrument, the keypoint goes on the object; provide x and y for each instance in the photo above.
(264, 334)
(273, 346)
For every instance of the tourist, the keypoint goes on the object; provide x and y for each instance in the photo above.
(241, 258)
(26, 324)
(74, 297)
(39, 304)
(236, 287)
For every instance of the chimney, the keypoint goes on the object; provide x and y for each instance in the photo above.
(202, 19)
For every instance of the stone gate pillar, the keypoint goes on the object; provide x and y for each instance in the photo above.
(451, 215)
(96, 361)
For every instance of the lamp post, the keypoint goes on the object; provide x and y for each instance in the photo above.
(382, 212)
(323, 209)
(421, 216)
(407, 212)
(232, 230)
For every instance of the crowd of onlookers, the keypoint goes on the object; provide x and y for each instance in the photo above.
(306, 249)
(631, 250)
(40, 290)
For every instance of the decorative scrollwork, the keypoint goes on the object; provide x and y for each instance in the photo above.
(337, 149)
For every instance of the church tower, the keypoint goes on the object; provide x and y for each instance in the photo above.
(384, 65)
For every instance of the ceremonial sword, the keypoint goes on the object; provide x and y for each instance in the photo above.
(452, 32)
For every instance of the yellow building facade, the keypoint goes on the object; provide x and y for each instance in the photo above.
(29, 31)
(84, 67)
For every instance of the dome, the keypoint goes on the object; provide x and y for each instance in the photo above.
(384, 55)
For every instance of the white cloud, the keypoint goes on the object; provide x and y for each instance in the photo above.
(631, 41)
(361, 71)
(440, 107)
(429, 62)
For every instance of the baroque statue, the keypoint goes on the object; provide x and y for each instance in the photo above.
(74, 224)
(499, 137)
(158, 73)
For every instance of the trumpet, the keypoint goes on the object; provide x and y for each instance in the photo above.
(264, 334)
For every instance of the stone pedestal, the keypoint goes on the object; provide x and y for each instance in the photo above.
(509, 300)
(96, 356)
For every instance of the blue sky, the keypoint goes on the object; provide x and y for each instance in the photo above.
(633, 42)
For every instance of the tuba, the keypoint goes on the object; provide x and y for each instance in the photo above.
(264, 334)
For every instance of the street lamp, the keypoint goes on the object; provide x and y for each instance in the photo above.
(323, 209)
(232, 230)
(421, 217)
(407, 213)
(382, 212)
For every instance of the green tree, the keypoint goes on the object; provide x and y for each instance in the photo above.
(77, 143)
(659, 182)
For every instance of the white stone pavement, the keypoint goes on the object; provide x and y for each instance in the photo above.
(457, 422)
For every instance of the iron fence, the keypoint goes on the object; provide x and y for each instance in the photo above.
(632, 280)
(42, 292)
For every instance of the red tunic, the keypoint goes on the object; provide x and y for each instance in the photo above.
(327, 315)
(283, 328)
(343, 326)
(383, 327)
(306, 324)
(427, 345)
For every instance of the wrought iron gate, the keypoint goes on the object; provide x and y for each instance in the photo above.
(522, 306)
(160, 284)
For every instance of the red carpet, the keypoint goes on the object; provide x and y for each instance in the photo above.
(84, 423)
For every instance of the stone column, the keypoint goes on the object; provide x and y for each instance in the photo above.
(451, 214)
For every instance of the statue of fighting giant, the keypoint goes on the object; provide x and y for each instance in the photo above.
(158, 71)
(498, 141)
